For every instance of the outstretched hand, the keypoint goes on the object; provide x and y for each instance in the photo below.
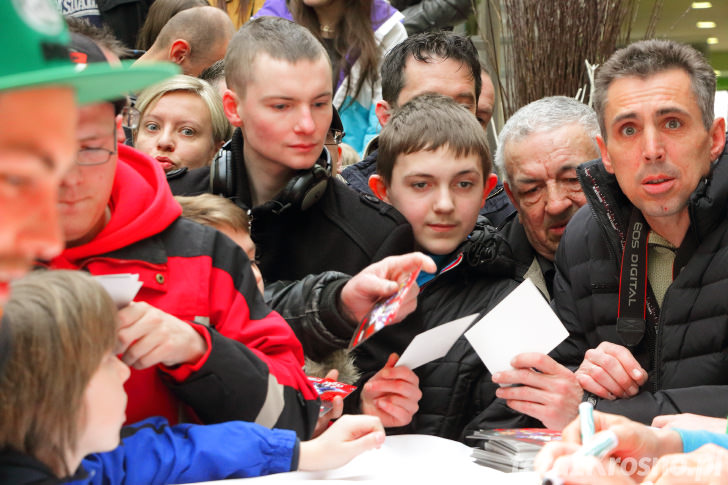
(348, 437)
(380, 280)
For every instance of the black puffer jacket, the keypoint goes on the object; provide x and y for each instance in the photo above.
(685, 348)
(343, 231)
(456, 390)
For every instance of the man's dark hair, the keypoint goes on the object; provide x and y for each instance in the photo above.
(213, 73)
(427, 47)
(649, 57)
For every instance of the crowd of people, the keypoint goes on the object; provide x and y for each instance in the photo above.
(271, 171)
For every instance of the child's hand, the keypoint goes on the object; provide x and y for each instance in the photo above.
(335, 412)
(348, 437)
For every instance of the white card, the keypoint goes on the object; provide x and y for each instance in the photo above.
(122, 287)
(522, 322)
(434, 343)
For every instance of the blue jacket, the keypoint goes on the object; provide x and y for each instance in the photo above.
(357, 115)
(693, 439)
(152, 452)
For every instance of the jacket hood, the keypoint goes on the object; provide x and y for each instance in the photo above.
(141, 206)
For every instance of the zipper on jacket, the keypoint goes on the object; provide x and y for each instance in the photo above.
(606, 236)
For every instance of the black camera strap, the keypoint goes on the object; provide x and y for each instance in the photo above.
(6, 341)
(632, 309)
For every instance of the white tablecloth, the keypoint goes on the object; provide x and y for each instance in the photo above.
(406, 458)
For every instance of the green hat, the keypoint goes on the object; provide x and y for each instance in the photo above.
(35, 53)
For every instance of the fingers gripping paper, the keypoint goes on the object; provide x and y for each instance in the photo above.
(522, 322)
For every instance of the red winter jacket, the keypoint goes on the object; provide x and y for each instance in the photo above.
(197, 274)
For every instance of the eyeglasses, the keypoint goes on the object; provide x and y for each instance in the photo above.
(87, 157)
(334, 137)
(130, 117)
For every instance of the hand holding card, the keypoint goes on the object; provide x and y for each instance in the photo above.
(328, 389)
(383, 313)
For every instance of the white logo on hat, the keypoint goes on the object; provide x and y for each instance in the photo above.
(40, 15)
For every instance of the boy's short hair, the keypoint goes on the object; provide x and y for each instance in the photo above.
(61, 323)
(428, 122)
(213, 210)
(221, 128)
(279, 38)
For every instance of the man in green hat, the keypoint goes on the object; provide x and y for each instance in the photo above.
(39, 89)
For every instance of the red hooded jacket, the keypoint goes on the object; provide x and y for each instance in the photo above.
(198, 275)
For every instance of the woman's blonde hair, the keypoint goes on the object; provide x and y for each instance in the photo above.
(60, 325)
(221, 128)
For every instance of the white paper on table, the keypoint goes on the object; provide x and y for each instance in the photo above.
(122, 287)
(522, 322)
(434, 343)
(407, 459)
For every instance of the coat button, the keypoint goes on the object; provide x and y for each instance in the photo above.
(160, 278)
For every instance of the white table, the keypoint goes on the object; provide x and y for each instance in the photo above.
(408, 459)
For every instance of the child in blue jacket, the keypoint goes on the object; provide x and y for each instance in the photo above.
(62, 405)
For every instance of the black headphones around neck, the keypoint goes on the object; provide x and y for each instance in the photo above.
(304, 189)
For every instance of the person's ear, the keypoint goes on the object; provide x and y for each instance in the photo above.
(379, 187)
(383, 111)
(490, 182)
(717, 138)
(606, 161)
(179, 51)
(230, 103)
(120, 135)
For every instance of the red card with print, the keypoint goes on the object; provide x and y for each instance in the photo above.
(328, 389)
(383, 313)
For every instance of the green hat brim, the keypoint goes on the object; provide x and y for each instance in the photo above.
(93, 82)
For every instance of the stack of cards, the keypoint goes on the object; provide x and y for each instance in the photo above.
(511, 450)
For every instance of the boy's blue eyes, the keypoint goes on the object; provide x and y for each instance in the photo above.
(463, 184)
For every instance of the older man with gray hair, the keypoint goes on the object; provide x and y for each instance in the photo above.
(539, 149)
